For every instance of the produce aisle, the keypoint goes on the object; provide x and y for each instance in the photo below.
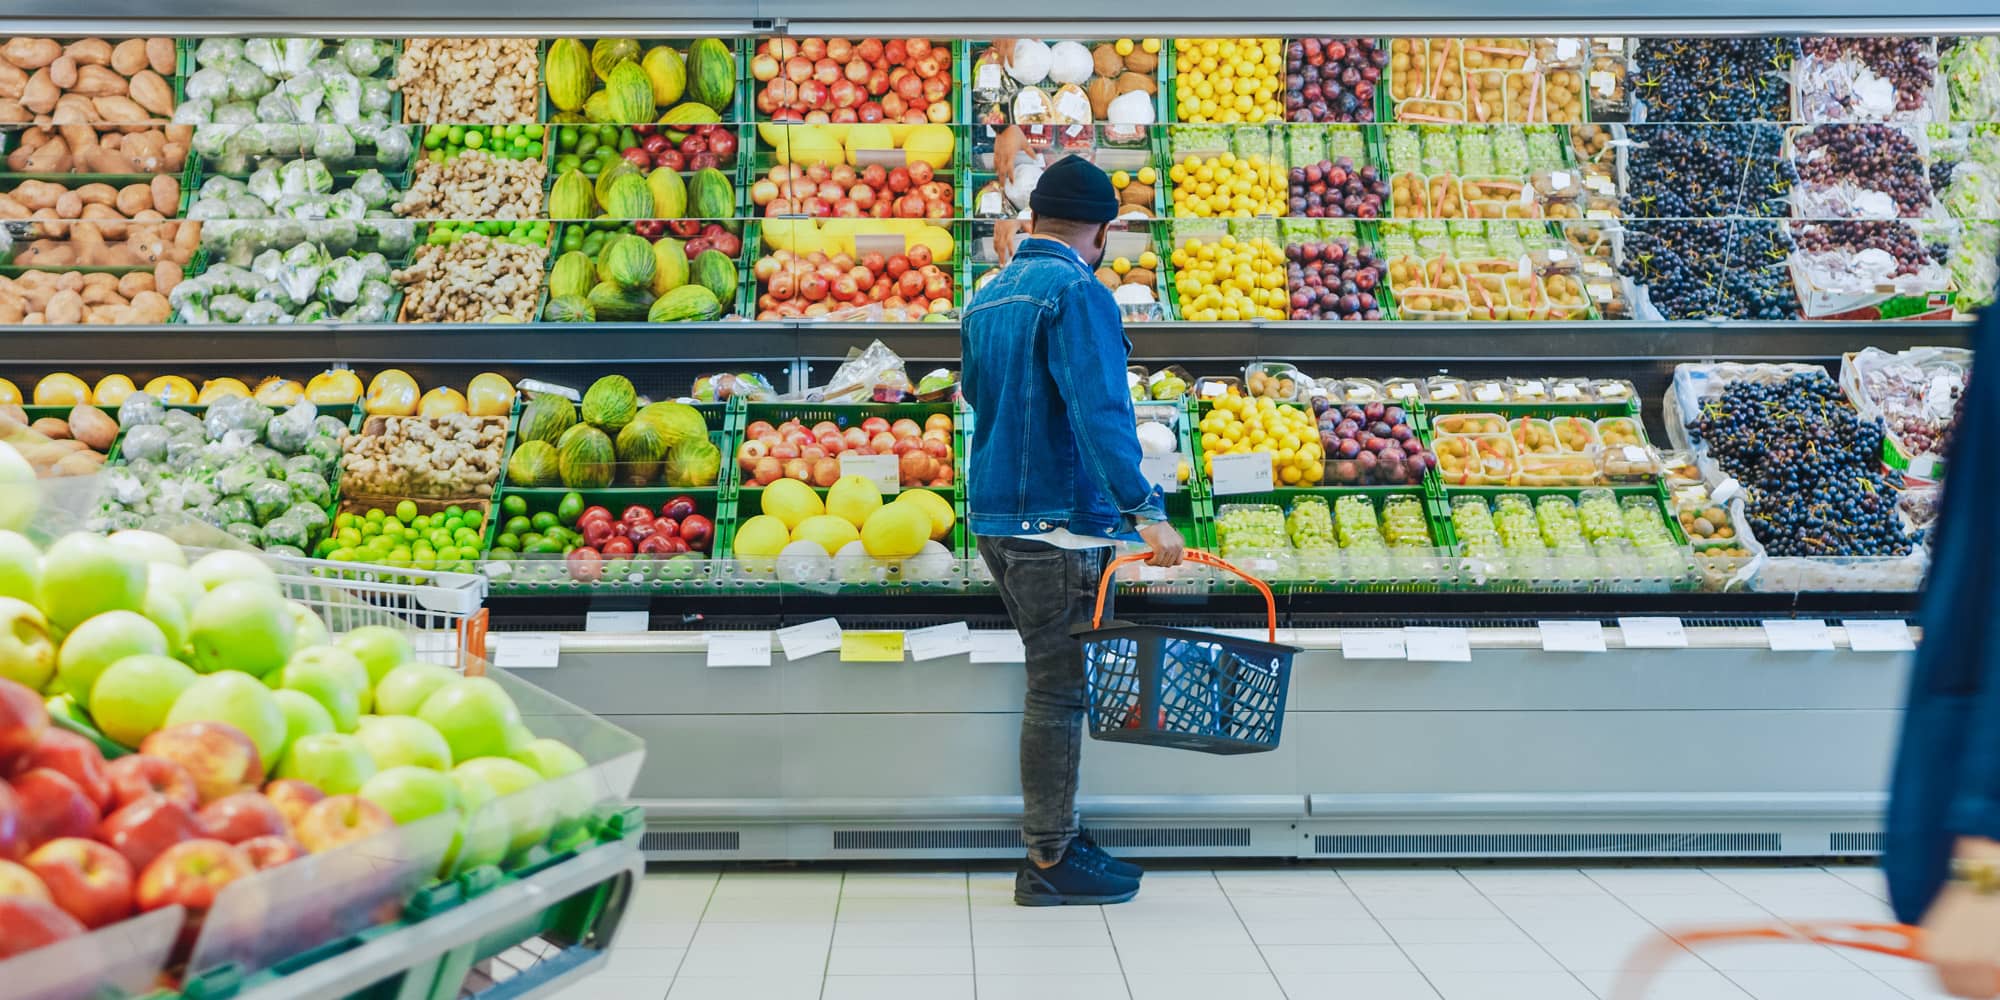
(1583, 398)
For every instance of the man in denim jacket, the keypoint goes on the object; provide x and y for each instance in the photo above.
(1053, 483)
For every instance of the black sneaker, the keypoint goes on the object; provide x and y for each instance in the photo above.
(1110, 864)
(1077, 880)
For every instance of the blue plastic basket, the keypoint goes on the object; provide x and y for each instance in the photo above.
(1184, 688)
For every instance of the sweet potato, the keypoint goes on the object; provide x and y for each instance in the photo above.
(133, 197)
(175, 154)
(13, 81)
(37, 194)
(12, 310)
(135, 282)
(98, 193)
(152, 93)
(166, 274)
(89, 51)
(89, 244)
(160, 55)
(129, 56)
(146, 150)
(80, 463)
(69, 206)
(64, 307)
(53, 428)
(12, 113)
(106, 160)
(11, 209)
(45, 254)
(63, 72)
(79, 137)
(121, 110)
(41, 92)
(98, 81)
(97, 295)
(150, 307)
(147, 215)
(30, 53)
(51, 157)
(187, 239)
(166, 194)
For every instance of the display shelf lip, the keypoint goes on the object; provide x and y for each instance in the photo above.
(1621, 805)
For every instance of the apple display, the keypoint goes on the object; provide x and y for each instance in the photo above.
(98, 643)
(20, 566)
(239, 700)
(404, 689)
(28, 924)
(27, 654)
(379, 648)
(229, 566)
(220, 758)
(242, 626)
(270, 852)
(482, 834)
(241, 817)
(75, 758)
(52, 807)
(84, 576)
(138, 775)
(150, 546)
(23, 718)
(86, 879)
(408, 794)
(308, 631)
(399, 740)
(340, 820)
(303, 717)
(191, 874)
(164, 610)
(177, 582)
(292, 798)
(132, 696)
(474, 715)
(528, 819)
(148, 826)
(551, 758)
(328, 682)
(333, 662)
(20, 880)
(334, 763)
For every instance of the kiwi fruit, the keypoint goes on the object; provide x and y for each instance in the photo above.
(1129, 82)
(1106, 60)
(1142, 61)
(1107, 277)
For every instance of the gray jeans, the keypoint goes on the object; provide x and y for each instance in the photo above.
(1047, 590)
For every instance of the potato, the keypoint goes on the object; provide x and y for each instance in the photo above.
(90, 51)
(134, 283)
(152, 93)
(106, 160)
(130, 56)
(166, 194)
(80, 463)
(97, 295)
(41, 92)
(30, 53)
(53, 428)
(175, 154)
(12, 113)
(64, 307)
(69, 206)
(92, 426)
(150, 307)
(12, 310)
(63, 72)
(99, 81)
(11, 209)
(13, 81)
(166, 274)
(120, 110)
(146, 150)
(133, 197)
(160, 55)
(37, 194)
(98, 193)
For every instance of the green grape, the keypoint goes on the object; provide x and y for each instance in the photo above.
(1309, 525)
(1403, 523)
(1560, 525)
(1514, 518)
(1600, 515)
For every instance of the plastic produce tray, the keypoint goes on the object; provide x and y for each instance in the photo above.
(1350, 569)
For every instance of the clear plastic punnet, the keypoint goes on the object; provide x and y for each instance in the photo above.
(123, 959)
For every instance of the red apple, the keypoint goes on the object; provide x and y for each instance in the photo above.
(88, 880)
(138, 775)
(23, 719)
(341, 819)
(270, 852)
(52, 807)
(875, 425)
(906, 428)
(293, 798)
(239, 817)
(191, 874)
(617, 545)
(678, 508)
(148, 826)
(18, 880)
(698, 532)
(75, 758)
(222, 760)
(871, 50)
(28, 924)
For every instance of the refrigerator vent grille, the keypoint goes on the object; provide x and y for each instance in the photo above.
(966, 839)
(670, 841)
(1177, 836)
(1475, 844)
(1854, 843)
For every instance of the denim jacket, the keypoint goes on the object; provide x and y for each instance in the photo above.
(1054, 443)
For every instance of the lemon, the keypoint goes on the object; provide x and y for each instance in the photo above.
(1120, 179)
(1123, 46)
(1121, 265)
(1150, 44)
(1149, 260)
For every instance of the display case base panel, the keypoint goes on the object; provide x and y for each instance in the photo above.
(1712, 752)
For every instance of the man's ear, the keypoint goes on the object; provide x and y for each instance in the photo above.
(1104, 236)
(1034, 221)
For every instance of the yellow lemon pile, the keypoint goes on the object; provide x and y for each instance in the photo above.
(1228, 280)
(1229, 80)
(1227, 186)
(1235, 425)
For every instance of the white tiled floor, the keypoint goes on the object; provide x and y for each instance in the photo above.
(1294, 933)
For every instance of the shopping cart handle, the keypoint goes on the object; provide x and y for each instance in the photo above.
(1192, 555)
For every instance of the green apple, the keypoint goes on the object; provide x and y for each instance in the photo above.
(217, 568)
(475, 716)
(551, 758)
(151, 547)
(100, 642)
(481, 838)
(84, 576)
(240, 700)
(303, 716)
(27, 654)
(528, 815)
(398, 740)
(338, 661)
(380, 649)
(177, 581)
(329, 684)
(20, 494)
(408, 794)
(164, 609)
(20, 566)
(334, 763)
(307, 629)
(132, 696)
(241, 626)
(404, 689)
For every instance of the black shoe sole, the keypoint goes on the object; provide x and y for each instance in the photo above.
(1041, 899)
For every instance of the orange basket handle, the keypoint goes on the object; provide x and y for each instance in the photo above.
(1193, 555)
(1899, 940)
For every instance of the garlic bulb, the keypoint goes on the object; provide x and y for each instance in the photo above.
(1070, 63)
(1030, 64)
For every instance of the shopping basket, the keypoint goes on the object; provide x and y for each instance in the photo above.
(1183, 688)
(1898, 940)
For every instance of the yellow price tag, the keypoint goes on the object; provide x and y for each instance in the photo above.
(871, 647)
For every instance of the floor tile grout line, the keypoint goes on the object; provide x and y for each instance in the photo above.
(705, 904)
(1560, 964)
(1266, 959)
(1655, 925)
(971, 933)
(1115, 956)
(1400, 950)
(826, 968)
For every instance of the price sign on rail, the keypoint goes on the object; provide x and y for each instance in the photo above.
(1249, 472)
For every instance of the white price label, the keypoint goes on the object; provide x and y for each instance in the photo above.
(1213, 390)
(1558, 181)
(885, 471)
(1653, 633)
(1372, 644)
(1572, 637)
(810, 639)
(1791, 636)
(1603, 82)
(525, 650)
(1163, 471)
(623, 622)
(1437, 645)
(1151, 574)
(998, 646)
(938, 641)
(1249, 472)
(739, 649)
(1566, 48)
(1879, 635)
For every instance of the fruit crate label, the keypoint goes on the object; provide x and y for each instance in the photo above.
(526, 650)
(1788, 636)
(1653, 633)
(739, 649)
(871, 647)
(939, 641)
(1437, 645)
(531, 385)
(810, 639)
(1879, 635)
(887, 159)
(616, 621)
(1572, 637)
(1249, 472)
(1163, 471)
(998, 646)
(885, 244)
(885, 471)
(1372, 644)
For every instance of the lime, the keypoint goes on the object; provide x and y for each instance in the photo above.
(511, 506)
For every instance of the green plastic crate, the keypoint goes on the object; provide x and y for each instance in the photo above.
(736, 306)
(1390, 570)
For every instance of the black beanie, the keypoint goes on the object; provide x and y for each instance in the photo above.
(1076, 190)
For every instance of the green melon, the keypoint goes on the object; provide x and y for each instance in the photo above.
(533, 464)
(686, 304)
(617, 304)
(678, 423)
(713, 270)
(626, 260)
(711, 73)
(630, 197)
(670, 265)
(640, 447)
(696, 464)
(584, 458)
(571, 197)
(631, 94)
(607, 53)
(568, 74)
(610, 403)
(711, 196)
(570, 309)
(546, 418)
(571, 275)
